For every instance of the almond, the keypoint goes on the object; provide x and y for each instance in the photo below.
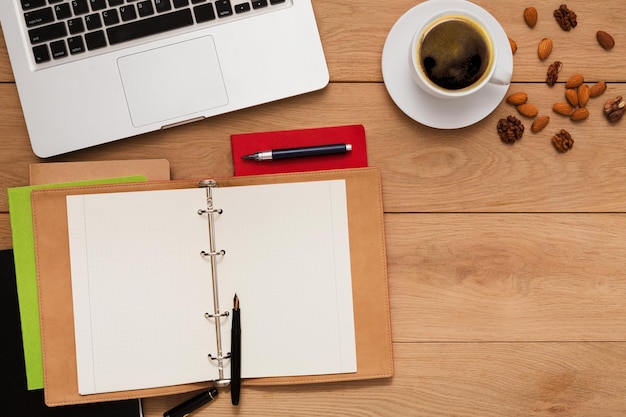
(530, 16)
(583, 95)
(579, 114)
(517, 98)
(513, 45)
(562, 108)
(575, 81)
(539, 123)
(572, 97)
(528, 110)
(545, 48)
(597, 89)
(605, 40)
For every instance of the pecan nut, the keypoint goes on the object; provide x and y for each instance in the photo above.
(565, 18)
(615, 109)
(563, 141)
(553, 73)
(510, 129)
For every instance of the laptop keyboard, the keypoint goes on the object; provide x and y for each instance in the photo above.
(61, 29)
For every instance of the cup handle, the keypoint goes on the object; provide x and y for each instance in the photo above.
(501, 76)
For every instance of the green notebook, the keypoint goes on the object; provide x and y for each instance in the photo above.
(20, 210)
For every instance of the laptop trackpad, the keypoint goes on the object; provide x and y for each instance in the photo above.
(172, 81)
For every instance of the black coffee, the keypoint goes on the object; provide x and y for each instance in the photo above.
(454, 53)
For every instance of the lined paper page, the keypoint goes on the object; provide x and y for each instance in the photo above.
(140, 289)
(288, 260)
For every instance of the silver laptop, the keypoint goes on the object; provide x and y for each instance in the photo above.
(94, 71)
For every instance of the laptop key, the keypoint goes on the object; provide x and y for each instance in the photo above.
(241, 8)
(180, 3)
(163, 5)
(58, 48)
(47, 33)
(128, 12)
(149, 26)
(110, 17)
(63, 11)
(257, 4)
(145, 8)
(93, 21)
(76, 25)
(95, 40)
(98, 5)
(76, 45)
(41, 53)
(39, 17)
(32, 4)
(223, 8)
(204, 13)
(80, 7)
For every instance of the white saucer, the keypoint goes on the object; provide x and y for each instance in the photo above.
(421, 106)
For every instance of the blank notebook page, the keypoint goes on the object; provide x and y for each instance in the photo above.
(141, 288)
(288, 260)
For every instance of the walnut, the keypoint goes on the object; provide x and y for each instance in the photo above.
(615, 109)
(565, 18)
(510, 129)
(553, 73)
(563, 141)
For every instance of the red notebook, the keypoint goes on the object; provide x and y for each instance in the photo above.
(249, 143)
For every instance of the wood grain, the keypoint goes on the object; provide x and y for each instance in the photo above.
(454, 379)
(507, 277)
(424, 169)
(506, 262)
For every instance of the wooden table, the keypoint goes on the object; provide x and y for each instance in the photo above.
(507, 263)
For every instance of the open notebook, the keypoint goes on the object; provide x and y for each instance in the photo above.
(368, 271)
(154, 274)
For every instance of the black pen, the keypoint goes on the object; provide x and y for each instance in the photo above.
(192, 404)
(299, 152)
(235, 353)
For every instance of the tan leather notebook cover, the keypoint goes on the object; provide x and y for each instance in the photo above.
(59, 172)
(369, 283)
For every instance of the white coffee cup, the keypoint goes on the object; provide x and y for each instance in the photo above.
(454, 54)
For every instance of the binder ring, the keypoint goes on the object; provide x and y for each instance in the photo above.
(209, 211)
(217, 358)
(206, 254)
(207, 183)
(210, 316)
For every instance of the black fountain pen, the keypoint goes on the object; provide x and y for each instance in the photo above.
(235, 354)
(299, 152)
(192, 404)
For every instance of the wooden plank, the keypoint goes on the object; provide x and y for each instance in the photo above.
(492, 277)
(507, 277)
(6, 74)
(453, 379)
(5, 232)
(424, 169)
(354, 33)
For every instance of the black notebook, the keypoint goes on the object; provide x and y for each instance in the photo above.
(22, 402)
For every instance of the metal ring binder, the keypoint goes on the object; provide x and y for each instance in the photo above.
(215, 358)
(220, 252)
(203, 211)
(212, 255)
(210, 316)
